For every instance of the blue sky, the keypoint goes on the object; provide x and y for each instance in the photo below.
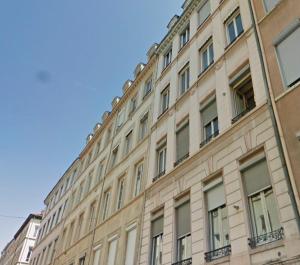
(61, 63)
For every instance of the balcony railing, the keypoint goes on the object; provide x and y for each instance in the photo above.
(181, 159)
(184, 262)
(266, 238)
(217, 253)
(159, 176)
(241, 114)
(206, 141)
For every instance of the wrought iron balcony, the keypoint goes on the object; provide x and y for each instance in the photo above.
(217, 253)
(181, 159)
(159, 176)
(206, 141)
(241, 114)
(266, 238)
(184, 262)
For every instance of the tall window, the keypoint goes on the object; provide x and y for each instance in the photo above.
(164, 99)
(182, 143)
(89, 182)
(108, 134)
(204, 12)
(167, 58)
(143, 126)
(289, 60)
(243, 94)
(120, 119)
(96, 259)
(114, 156)
(81, 261)
(70, 235)
(183, 227)
(217, 217)
(80, 191)
(29, 254)
(80, 226)
(161, 158)
(105, 205)
(128, 143)
(262, 202)
(120, 197)
(133, 104)
(92, 218)
(184, 36)
(206, 55)
(100, 170)
(53, 250)
(97, 150)
(270, 4)
(36, 230)
(58, 215)
(112, 251)
(184, 79)
(210, 125)
(234, 27)
(130, 247)
(157, 241)
(88, 160)
(138, 178)
(148, 87)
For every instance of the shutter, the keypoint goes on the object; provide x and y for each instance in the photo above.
(289, 58)
(256, 177)
(204, 12)
(182, 142)
(157, 226)
(112, 252)
(183, 219)
(215, 197)
(209, 112)
(130, 248)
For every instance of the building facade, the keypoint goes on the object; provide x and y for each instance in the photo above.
(19, 250)
(187, 167)
(279, 35)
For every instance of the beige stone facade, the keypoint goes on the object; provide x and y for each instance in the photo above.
(186, 168)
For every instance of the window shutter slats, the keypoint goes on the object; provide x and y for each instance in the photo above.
(183, 219)
(215, 197)
(182, 142)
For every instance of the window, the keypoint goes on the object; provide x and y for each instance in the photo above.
(80, 226)
(164, 99)
(128, 143)
(92, 218)
(138, 179)
(36, 230)
(82, 260)
(210, 125)
(263, 209)
(234, 27)
(64, 208)
(89, 182)
(96, 258)
(108, 134)
(167, 58)
(182, 143)
(217, 217)
(120, 119)
(204, 12)
(100, 171)
(183, 227)
(114, 156)
(130, 247)
(289, 60)
(143, 126)
(88, 161)
(184, 36)
(105, 205)
(80, 191)
(53, 250)
(161, 158)
(52, 221)
(70, 235)
(270, 4)
(243, 94)
(133, 104)
(120, 193)
(29, 254)
(206, 55)
(58, 215)
(148, 87)
(184, 80)
(157, 240)
(112, 251)
(97, 150)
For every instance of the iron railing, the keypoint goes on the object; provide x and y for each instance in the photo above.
(208, 139)
(184, 262)
(243, 113)
(159, 176)
(266, 238)
(217, 253)
(181, 159)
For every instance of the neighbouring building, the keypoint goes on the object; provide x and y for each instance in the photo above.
(278, 24)
(19, 250)
(187, 167)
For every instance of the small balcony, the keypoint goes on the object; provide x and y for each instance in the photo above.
(266, 238)
(180, 160)
(217, 253)
(184, 262)
(206, 141)
(160, 174)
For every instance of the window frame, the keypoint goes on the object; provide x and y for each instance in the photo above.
(184, 36)
(233, 19)
(164, 99)
(167, 58)
(184, 79)
(206, 48)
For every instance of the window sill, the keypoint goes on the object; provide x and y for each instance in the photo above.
(159, 176)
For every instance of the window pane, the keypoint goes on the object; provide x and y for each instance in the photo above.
(130, 248)
(204, 60)
(211, 53)
(215, 231)
(239, 25)
(183, 221)
(258, 218)
(231, 32)
(225, 226)
(272, 210)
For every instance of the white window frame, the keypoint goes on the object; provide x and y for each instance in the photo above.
(184, 85)
(167, 58)
(164, 99)
(184, 36)
(210, 57)
(232, 18)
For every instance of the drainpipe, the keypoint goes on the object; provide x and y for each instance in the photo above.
(273, 119)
